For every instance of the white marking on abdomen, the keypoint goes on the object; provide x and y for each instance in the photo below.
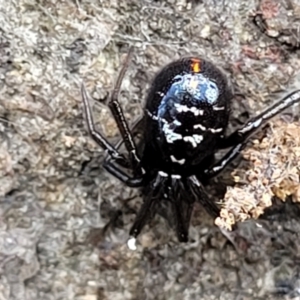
(179, 161)
(176, 122)
(203, 128)
(170, 135)
(191, 140)
(217, 130)
(162, 174)
(153, 117)
(184, 108)
(194, 140)
(161, 94)
(216, 108)
(198, 138)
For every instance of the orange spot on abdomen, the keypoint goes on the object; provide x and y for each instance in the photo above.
(196, 65)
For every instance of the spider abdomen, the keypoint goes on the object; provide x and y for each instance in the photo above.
(187, 112)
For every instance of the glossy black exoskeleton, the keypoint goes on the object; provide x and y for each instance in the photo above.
(185, 119)
(187, 111)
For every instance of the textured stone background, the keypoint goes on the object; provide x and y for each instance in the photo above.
(56, 200)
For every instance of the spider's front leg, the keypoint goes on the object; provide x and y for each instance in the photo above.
(97, 136)
(122, 124)
(116, 171)
(116, 159)
(112, 167)
(238, 139)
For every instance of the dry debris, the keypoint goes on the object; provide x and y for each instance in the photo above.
(270, 169)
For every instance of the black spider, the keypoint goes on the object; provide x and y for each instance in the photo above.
(186, 116)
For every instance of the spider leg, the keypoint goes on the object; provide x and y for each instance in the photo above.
(122, 124)
(142, 217)
(182, 207)
(135, 127)
(97, 136)
(182, 222)
(239, 138)
(198, 190)
(147, 209)
(225, 160)
(113, 169)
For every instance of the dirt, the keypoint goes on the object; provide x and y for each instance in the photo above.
(65, 221)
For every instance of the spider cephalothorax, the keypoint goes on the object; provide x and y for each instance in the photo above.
(185, 118)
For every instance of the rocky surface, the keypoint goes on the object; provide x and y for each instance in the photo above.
(56, 200)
